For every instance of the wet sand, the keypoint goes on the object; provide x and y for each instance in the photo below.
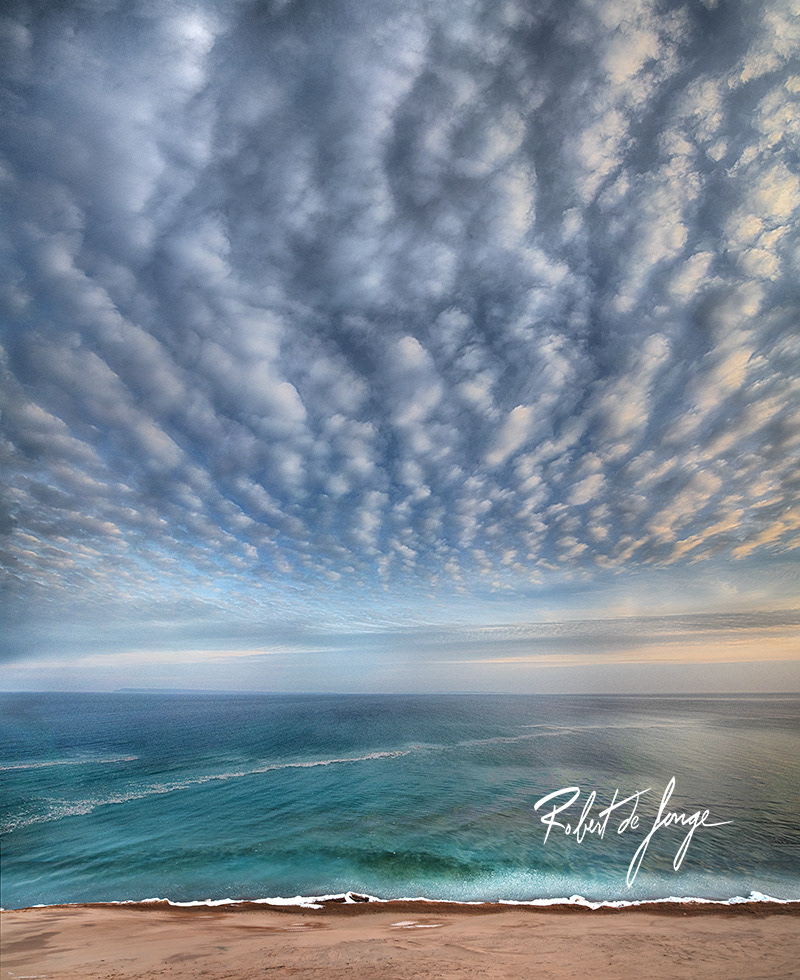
(401, 940)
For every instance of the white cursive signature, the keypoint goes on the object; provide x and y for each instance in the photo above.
(597, 824)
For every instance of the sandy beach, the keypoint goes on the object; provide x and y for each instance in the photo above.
(400, 940)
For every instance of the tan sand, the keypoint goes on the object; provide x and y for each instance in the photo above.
(402, 940)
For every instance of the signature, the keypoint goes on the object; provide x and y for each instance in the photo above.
(627, 817)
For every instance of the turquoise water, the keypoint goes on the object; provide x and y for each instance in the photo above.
(112, 797)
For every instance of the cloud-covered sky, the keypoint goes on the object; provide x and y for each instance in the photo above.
(353, 345)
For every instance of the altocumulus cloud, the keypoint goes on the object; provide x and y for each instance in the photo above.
(322, 313)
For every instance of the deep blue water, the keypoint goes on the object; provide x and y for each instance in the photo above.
(108, 797)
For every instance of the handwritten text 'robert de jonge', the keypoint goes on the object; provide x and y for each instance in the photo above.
(598, 823)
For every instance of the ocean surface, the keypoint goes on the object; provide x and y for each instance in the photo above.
(196, 797)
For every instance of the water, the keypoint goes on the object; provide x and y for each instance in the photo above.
(113, 797)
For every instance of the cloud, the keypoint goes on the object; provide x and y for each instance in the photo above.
(313, 307)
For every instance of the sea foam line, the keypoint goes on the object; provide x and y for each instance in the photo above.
(359, 898)
(79, 808)
(70, 762)
(82, 807)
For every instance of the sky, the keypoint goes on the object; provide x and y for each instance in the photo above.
(400, 346)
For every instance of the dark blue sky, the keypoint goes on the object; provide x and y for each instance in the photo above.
(400, 345)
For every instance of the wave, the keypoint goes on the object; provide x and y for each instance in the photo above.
(62, 809)
(70, 762)
(356, 898)
(547, 731)
(77, 808)
(606, 726)
(82, 807)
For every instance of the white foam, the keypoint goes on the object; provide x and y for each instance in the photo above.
(82, 807)
(348, 898)
(623, 726)
(70, 762)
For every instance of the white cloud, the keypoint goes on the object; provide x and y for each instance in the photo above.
(284, 299)
(514, 433)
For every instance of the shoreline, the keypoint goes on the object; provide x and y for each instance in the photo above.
(400, 940)
(756, 902)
